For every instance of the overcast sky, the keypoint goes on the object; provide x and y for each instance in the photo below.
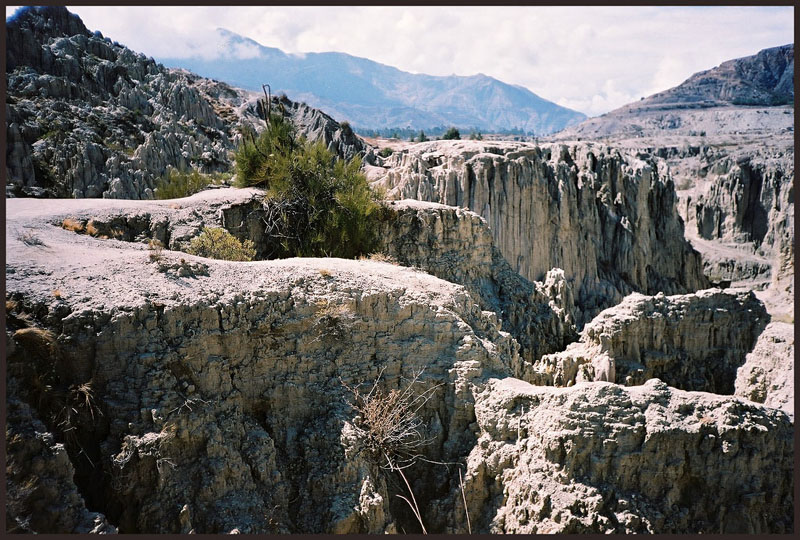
(589, 59)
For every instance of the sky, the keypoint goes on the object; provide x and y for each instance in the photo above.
(591, 59)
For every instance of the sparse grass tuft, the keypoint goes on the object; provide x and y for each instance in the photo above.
(38, 341)
(382, 257)
(178, 184)
(30, 239)
(389, 428)
(387, 422)
(332, 320)
(156, 248)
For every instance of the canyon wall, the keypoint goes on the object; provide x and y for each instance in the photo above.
(608, 220)
(212, 396)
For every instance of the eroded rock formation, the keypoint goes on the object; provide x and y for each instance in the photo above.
(607, 220)
(218, 402)
(767, 375)
(456, 245)
(86, 117)
(599, 457)
(694, 342)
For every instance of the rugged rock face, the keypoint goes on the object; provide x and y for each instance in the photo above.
(599, 457)
(219, 406)
(767, 375)
(744, 201)
(694, 342)
(456, 245)
(41, 496)
(608, 221)
(86, 117)
(727, 135)
(448, 242)
(239, 385)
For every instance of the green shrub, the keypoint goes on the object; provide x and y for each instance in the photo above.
(422, 137)
(316, 205)
(217, 243)
(386, 152)
(451, 133)
(177, 184)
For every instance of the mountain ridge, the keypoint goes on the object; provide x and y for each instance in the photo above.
(372, 95)
(737, 96)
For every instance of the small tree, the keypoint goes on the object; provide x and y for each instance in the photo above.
(451, 134)
(422, 137)
(316, 204)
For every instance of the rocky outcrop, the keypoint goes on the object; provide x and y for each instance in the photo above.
(86, 117)
(767, 375)
(240, 385)
(448, 242)
(607, 220)
(457, 245)
(762, 79)
(220, 403)
(599, 457)
(745, 201)
(693, 342)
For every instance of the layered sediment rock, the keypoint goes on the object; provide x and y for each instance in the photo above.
(694, 342)
(232, 374)
(608, 221)
(456, 245)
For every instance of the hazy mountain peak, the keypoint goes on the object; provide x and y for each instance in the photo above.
(372, 95)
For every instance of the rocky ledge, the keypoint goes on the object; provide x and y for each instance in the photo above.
(191, 394)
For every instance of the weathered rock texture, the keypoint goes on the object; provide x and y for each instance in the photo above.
(745, 201)
(600, 457)
(238, 385)
(608, 221)
(767, 375)
(449, 242)
(220, 403)
(727, 135)
(694, 342)
(41, 496)
(456, 245)
(86, 117)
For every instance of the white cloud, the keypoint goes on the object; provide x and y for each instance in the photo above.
(592, 59)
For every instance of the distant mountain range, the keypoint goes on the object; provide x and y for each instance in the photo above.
(742, 95)
(371, 95)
